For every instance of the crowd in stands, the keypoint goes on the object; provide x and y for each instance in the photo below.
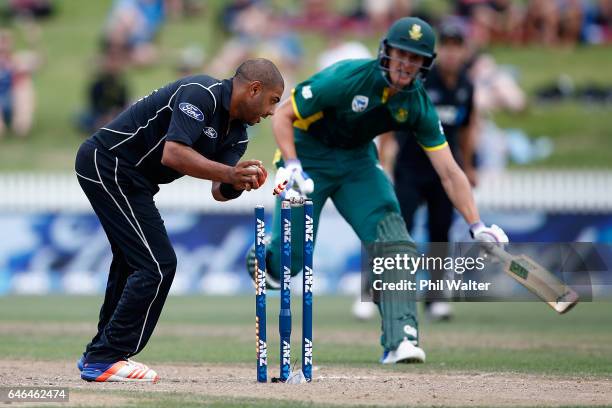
(33, 9)
(17, 101)
(130, 37)
(547, 22)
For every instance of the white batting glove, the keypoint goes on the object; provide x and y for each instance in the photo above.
(480, 232)
(292, 182)
(281, 181)
(299, 180)
(283, 188)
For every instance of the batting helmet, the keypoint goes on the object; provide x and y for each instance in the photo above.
(409, 34)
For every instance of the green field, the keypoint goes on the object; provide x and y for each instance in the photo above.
(516, 340)
(69, 42)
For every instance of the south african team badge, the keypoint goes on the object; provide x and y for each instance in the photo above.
(401, 115)
(360, 103)
(415, 32)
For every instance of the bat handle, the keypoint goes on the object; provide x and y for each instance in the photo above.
(497, 250)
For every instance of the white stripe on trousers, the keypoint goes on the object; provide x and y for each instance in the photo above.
(87, 178)
(142, 238)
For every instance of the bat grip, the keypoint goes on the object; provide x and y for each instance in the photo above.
(498, 251)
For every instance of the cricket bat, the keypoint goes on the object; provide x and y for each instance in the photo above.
(537, 279)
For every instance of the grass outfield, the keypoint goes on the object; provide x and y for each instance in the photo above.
(524, 338)
(69, 42)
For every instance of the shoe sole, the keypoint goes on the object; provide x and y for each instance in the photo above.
(410, 360)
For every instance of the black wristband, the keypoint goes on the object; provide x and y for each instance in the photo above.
(228, 191)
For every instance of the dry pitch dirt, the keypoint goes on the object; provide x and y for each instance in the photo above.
(332, 385)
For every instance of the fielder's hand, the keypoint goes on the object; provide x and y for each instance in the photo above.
(480, 232)
(248, 175)
(263, 175)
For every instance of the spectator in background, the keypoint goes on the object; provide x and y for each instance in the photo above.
(381, 13)
(230, 13)
(542, 22)
(37, 9)
(497, 21)
(132, 27)
(107, 94)
(317, 15)
(603, 18)
(338, 49)
(496, 86)
(176, 9)
(191, 61)
(565, 22)
(496, 89)
(16, 88)
(258, 32)
(572, 14)
(597, 28)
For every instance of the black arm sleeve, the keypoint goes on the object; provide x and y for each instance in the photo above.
(192, 109)
(228, 191)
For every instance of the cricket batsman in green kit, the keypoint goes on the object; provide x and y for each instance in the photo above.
(325, 137)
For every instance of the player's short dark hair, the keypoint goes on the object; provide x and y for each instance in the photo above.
(260, 69)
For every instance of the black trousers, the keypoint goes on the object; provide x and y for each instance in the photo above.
(412, 189)
(144, 261)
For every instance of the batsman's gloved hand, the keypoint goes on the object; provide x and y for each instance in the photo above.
(299, 179)
(299, 182)
(480, 232)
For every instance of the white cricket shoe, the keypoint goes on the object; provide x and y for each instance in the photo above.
(124, 370)
(406, 352)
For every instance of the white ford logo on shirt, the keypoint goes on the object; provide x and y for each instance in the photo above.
(210, 132)
(192, 111)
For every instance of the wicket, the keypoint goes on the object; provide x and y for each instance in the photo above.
(284, 319)
(307, 280)
(260, 295)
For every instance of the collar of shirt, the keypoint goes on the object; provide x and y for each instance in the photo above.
(227, 87)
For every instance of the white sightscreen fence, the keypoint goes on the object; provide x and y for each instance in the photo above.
(563, 191)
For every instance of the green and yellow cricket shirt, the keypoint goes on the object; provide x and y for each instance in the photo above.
(347, 105)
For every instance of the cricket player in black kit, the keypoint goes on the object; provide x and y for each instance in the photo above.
(416, 181)
(195, 126)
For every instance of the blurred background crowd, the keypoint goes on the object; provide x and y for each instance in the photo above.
(91, 59)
